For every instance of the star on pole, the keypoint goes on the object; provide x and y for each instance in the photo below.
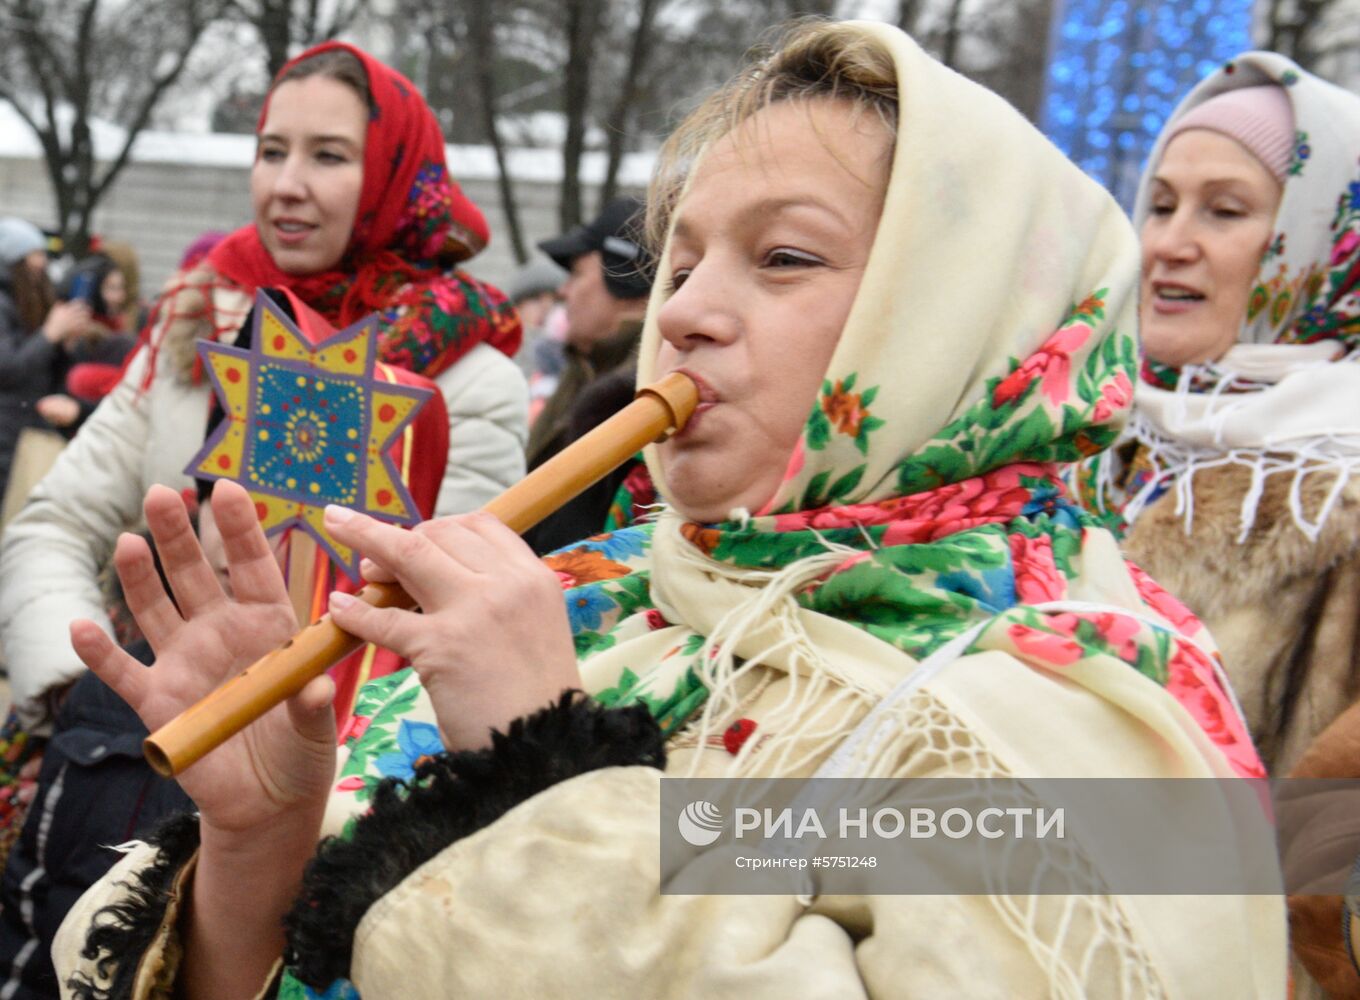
(306, 425)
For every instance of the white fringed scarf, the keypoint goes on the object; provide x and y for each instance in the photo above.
(1286, 399)
(1274, 408)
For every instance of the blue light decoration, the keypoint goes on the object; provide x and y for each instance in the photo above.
(1118, 68)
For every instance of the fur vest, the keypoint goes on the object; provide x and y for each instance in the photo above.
(1283, 610)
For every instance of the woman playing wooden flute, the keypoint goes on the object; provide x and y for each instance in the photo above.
(903, 308)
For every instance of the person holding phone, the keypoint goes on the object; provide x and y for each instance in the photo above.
(35, 331)
(98, 282)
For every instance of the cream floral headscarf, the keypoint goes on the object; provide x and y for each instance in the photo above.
(991, 341)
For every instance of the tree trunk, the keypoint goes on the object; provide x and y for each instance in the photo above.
(482, 42)
(81, 155)
(617, 126)
(1273, 19)
(909, 15)
(63, 193)
(1308, 21)
(1030, 59)
(953, 32)
(315, 28)
(790, 9)
(582, 23)
(275, 28)
(1293, 27)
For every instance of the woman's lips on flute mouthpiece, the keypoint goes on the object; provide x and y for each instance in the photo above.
(708, 398)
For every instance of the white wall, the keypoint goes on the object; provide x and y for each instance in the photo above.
(161, 208)
(178, 185)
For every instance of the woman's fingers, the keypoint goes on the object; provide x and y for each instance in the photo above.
(460, 539)
(254, 572)
(425, 571)
(373, 573)
(113, 666)
(476, 541)
(478, 550)
(143, 591)
(390, 628)
(192, 580)
(310, 711)
(499, 542)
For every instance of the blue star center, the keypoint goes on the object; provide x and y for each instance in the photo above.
(308, 435)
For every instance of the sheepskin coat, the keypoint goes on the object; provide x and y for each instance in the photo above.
(1283, 609)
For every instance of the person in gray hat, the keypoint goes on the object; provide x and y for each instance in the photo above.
(534, 290)
(605, 300)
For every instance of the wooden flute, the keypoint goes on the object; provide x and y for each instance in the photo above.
(657, 411)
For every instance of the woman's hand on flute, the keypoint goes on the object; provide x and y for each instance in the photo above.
(203, 637)
(493, 643)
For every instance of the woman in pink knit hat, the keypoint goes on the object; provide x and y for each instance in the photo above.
(1239, 482)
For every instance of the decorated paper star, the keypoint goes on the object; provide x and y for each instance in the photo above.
(308, 425)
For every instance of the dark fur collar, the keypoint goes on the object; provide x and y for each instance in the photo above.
(452, 796)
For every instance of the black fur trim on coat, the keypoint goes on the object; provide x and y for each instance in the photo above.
(451, 797)
(121, 933)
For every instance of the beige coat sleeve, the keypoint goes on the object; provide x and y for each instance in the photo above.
(159, 963)
(559, 898)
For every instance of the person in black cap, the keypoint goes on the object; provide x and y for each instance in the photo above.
(605, 299)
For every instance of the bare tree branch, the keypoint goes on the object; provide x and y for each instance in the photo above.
(1296, 28)
(37, 47)
(102, 64)
(140, 120)
(583, 19)
(281, 24)
(953, 33)
(10, 95)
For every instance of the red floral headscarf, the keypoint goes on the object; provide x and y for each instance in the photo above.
(412, 226)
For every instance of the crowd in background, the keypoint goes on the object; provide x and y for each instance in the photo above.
(967, 486)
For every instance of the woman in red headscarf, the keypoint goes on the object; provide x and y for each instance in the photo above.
(355, 213)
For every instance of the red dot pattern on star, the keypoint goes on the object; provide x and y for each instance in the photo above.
(233, 375)
(387, 412)
(223, 462)
(384, 497)
(261, 511)
(279, 341)
(350, 356)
